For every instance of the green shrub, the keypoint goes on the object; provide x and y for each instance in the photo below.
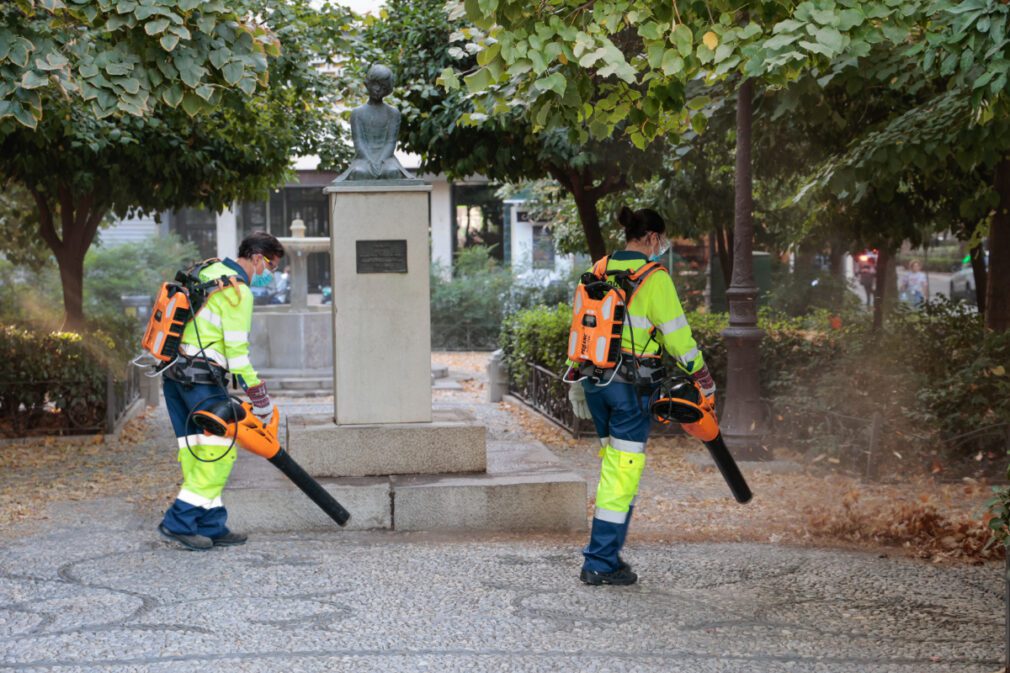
(932, 375)
(789, 348)
(538, 335)
(960, 367)
(65, 370)
(798, 295)
(467, 310)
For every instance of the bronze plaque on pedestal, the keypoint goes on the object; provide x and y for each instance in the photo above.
(381, 256)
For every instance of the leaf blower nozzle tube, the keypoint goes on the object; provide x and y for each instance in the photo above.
(231, 418)
(679, 400)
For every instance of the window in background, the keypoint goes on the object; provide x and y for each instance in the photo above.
(543, 247)
(198, 226)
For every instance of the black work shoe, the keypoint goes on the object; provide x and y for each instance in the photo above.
(623, 565)
(620, 577)
(191, 542)
(230, 540)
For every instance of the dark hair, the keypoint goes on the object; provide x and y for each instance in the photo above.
(638, 223)
(261, 243)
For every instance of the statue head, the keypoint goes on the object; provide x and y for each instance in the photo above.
(379, 81)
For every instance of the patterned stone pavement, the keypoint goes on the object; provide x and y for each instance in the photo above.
(95, 589)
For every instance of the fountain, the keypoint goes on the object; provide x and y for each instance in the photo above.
(292, 345)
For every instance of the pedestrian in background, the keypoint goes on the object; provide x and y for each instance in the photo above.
(914, 284)
(866, 271)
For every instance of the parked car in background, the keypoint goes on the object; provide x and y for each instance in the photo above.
(962, 281)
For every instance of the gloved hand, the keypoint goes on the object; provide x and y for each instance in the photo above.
(263, 408)
(577, 396)
(703, 378)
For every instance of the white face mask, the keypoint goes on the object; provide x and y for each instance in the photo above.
(664, 246)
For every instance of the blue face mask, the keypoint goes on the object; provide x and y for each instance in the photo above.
(660, 255)
(263, 279)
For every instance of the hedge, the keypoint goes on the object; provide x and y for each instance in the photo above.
(52, 380)
(540, 335)
(933, 376)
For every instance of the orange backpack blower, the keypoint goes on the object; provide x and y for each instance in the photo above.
(177, 303)
(598, 313)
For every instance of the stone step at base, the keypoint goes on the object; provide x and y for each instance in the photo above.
(320, 381)
(527, 489)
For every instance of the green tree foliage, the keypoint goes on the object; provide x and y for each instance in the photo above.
(29, 297)
(430, 48)
(125, 56)
(19, 229)
(950, 145)
(619, 65)
(79, 163)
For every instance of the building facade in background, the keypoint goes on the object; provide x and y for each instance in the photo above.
(463, 214)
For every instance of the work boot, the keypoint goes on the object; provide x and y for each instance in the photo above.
(623, 565)
(620, 577)
(190, 542)
(230, 539)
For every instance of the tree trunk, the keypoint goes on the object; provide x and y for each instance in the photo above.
(997, 302)
(79, 217)
(837, 259)
(804, 266)
(880, 287)
(981, 275)
(71, 264)
(579, 183)
(743, 413)
(590, 219)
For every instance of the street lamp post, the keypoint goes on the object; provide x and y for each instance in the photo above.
(743, 413)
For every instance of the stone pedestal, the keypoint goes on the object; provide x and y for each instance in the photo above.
(381, 301)
(393, 460)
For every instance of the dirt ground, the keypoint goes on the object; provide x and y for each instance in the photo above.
(682, 497)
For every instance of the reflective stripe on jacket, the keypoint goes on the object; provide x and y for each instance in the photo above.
(224, 323)
(656, 305)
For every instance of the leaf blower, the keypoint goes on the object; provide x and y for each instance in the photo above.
(234, 419)
(680, 400)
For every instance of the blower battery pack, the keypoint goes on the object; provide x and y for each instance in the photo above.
(171, 312)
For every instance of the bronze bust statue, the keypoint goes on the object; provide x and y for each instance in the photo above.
(374, 129)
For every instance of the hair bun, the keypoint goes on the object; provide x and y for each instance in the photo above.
(626, 218)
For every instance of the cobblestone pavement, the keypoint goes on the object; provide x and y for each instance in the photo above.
(97, 591)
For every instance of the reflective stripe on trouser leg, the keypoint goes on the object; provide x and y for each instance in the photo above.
(206, 479)
(198, 509)
(620, 474)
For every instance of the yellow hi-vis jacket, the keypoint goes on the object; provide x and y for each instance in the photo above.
(655, 311)
(224, 323)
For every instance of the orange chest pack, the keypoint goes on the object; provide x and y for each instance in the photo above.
(599, 311)
(176, 304)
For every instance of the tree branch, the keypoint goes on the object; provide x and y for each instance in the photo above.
(46, 228)
(609, 185)
(95, 218)
(562, 176)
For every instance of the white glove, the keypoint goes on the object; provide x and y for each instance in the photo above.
(577, 396)
(265, 414)
(262, 407)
